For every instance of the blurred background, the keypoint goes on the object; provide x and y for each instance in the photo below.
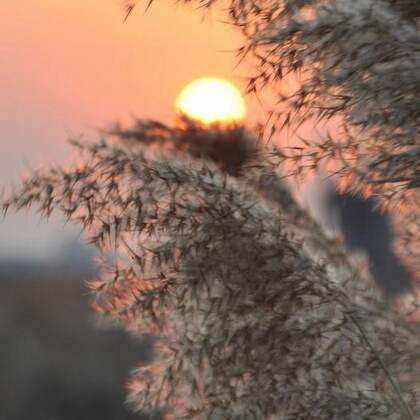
(68, 69)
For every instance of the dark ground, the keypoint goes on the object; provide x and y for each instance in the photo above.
(54, 363)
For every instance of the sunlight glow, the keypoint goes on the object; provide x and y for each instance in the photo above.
(211, 100)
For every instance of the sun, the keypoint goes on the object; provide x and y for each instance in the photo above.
(212, 100)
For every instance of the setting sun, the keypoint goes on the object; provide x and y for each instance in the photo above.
(211, 100)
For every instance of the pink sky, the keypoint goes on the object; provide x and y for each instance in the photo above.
(69, 66)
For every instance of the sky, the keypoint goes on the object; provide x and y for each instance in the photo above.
(70, 67)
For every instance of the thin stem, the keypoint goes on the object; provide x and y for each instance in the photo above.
(394, 384)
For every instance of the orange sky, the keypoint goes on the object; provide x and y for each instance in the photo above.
(68, 66)
(71, 65)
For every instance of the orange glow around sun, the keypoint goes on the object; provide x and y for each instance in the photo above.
(211, 100)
